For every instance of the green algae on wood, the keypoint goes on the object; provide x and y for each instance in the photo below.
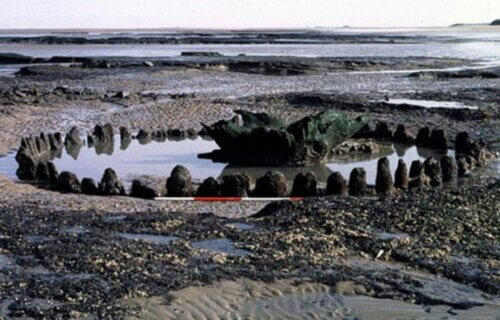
(262, 139)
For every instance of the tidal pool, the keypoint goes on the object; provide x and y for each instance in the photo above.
(155, 158)
(432, 104)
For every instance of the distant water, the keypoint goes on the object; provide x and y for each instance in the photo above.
(472, 43)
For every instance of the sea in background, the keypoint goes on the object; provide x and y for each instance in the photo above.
(479, 43)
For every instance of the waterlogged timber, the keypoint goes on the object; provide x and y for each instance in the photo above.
(261, 139)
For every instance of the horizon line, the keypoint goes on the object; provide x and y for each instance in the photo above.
(472, 24)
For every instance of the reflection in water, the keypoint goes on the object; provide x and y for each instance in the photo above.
(104, 147)
(131, 159)
(401, 148)
(411, 154)
(426, 153)
(145, 140)
(361, 156)
(124, 143)
(56, 154)
(73, 150)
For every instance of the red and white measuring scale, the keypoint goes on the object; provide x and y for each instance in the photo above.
(227, 199)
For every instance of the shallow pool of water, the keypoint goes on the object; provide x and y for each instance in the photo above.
(148, 238)
(242, 226)
(432, 104)
(391, 236)
(222, 245)
(76, 230)
(159, 158)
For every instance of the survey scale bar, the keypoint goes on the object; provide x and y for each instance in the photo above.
(227, 199)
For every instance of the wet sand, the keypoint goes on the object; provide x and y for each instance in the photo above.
(246, 299)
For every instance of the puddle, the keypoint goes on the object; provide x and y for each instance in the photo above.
(79, 276)
(407, 153)
(6, 262)
(37, 239)
(75, 230)
(114, 218)
(148, 238)
(242, 226)
(432, 104)
(45, 304)
(38, 271)
(9, 70)
(159, 158)
(390, 236)
(222, 245)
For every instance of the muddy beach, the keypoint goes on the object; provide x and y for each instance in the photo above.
(428, 253)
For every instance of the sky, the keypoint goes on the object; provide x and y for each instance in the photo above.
(242, 13)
